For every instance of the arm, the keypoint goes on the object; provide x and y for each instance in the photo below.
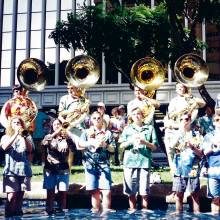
(7, 143)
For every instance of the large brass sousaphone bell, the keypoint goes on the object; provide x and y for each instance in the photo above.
(191, 70)
(148, 74)
(82, 71)
(31, 74)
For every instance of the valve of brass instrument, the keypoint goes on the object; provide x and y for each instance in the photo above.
(23, 132)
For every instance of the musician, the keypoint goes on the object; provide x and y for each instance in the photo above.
(17, 173)
(183, 102)
(146, 104)
(138, 140)
(97, 142)
(73, 108)
(211, 148)
(187, 156)
(56, 170)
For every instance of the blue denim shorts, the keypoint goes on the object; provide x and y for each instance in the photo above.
(51, 181)
(213, 188)
(97, 176)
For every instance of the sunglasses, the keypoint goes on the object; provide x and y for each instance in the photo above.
(96, 118)
(185, 119)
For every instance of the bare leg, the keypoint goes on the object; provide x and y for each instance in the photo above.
(95, 199)
(179, 202)
(195, 201)
(132, 201)
(215, 205)
(19, 202)
(62, 199)
(10, 204)
(50, 200)
(106, 200)
(144, 202)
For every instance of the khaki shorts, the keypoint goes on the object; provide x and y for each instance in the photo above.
(16, 184)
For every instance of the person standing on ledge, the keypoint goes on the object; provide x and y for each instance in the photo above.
(97, 142)
(211, 148)
(187, 157)
(18, 145)
(138, 140)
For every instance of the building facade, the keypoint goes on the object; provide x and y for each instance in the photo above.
(24, 29)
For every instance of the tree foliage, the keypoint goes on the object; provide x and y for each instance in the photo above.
(126, 34)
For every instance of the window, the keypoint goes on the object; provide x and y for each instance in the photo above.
(36, 21)
(213, 51)
(8, 6)
(51, 20)
(22, 6)
(21, 22)
(7, 23)
(36, 5)
(21, 40)
(35, 39)
(6, 41)
(6, 59)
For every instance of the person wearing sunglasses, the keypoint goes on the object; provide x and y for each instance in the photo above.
(96, 143)
(180, 104)
(211, 148)
(186, 159)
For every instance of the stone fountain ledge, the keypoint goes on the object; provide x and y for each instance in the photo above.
(78, 190)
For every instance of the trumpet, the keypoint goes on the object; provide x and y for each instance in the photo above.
(23, 132)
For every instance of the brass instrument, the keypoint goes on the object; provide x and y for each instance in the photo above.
(191, 70)
(148, 74)
(31, 74)
(81, 72)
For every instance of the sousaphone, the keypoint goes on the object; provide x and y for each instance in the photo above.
(31, 74)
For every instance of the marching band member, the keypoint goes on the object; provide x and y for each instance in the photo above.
(187, 156)
(96, 143)
(18, 145)
(211, 148)
(146, 104)
(56, 169)
(183, 102)
(73, 108)
(138, 140)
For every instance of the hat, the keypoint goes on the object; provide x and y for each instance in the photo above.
(121, 107)
(101, 104)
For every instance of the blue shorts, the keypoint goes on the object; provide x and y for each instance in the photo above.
(61, 181)
(181, 183)
(213, 188)
(97, 176)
